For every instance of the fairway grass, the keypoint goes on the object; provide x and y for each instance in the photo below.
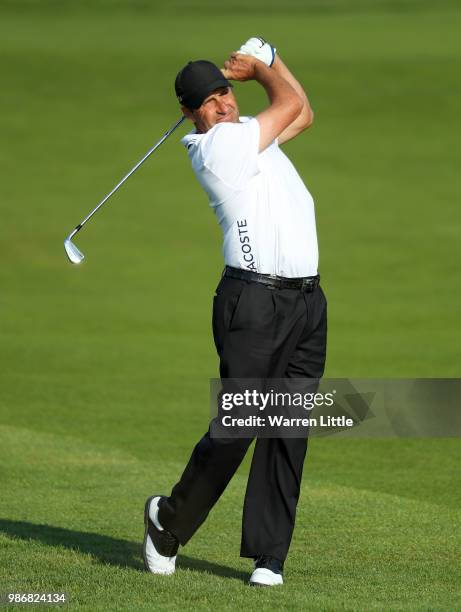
(72, 522)
(105, 367)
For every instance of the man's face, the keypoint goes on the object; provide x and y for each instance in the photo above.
(219, 107)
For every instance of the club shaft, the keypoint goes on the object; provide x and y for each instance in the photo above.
(140, 162)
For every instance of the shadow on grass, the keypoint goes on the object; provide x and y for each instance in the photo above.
(120, 553)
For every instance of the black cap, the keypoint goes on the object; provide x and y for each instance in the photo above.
(196, 81)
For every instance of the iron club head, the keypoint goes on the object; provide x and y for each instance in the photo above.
(73, 253)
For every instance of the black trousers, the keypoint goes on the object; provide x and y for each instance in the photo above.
(259, 332)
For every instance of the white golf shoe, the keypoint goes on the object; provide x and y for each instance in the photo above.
(160, 546)
(268, 572)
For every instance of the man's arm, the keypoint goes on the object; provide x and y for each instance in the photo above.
(260, 49)
(306, 117)
(285, 103)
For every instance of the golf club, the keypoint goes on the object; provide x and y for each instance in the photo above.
(73, 253)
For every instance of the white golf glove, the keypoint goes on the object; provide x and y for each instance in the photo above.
(260, 49)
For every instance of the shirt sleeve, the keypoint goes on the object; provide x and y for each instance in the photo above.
(230, 151)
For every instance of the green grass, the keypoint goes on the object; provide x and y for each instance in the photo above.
(370, 538)
(104, 368)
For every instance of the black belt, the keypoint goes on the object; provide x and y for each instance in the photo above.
(306, 283)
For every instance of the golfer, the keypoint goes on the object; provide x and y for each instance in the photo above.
(269, 312)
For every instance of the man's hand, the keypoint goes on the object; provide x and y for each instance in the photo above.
(260, 49)
(240, 67)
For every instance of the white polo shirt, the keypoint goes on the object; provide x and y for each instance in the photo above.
(264, 209)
